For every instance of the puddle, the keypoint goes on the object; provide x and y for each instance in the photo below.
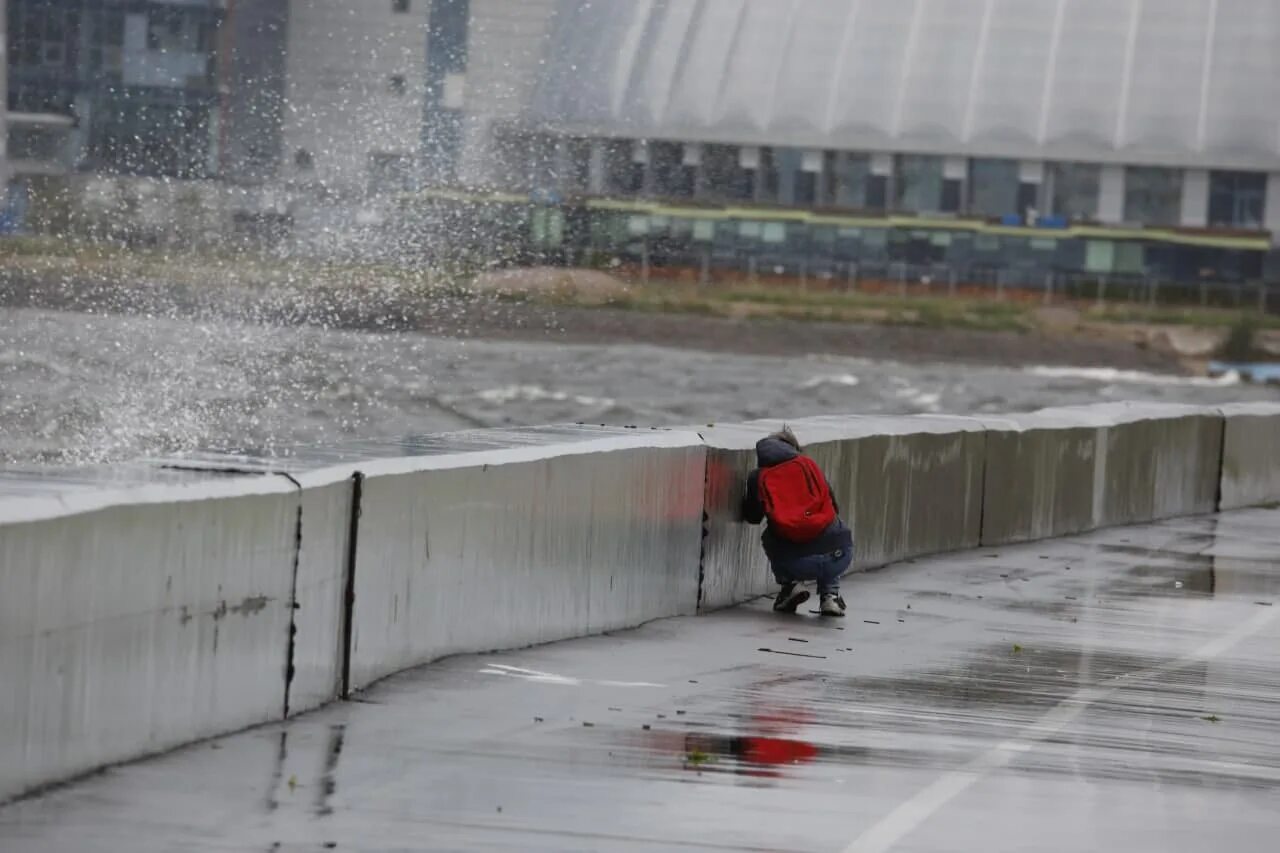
(920, 719)
(1011, 677)
(1200, 576)
(765, 746)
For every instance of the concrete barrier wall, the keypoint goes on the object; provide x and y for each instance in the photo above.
(733, 566)
(907, 486)
(1250, 455)
(136, 616)
(1161, 461)
(134, 620)
(1040, 476)
(1061, 471)
(318, 638)
(914, 488)
(502, 549)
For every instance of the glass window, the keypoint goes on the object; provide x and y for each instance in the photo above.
(540, 155)
(1028, 199)
(875, 238)
(723, 177)
(671, 177)
(1152, 196)
(919, 185)
(154, 27)
(1129, 258)
(1099, 256)
(846, 179)
(622, 175)
(113, 28)
(1075, 190)
(1237, 199)
(786, 168)
(877, 192)
(547, 227)
(576, 165)
(951, 190)
(806, 192)
(767, 187)
(993, 187)
(447, 49)
(822, 240)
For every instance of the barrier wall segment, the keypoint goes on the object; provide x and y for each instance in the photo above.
(1044, 475)
(315, 640)
(505, 548)
(1067, 470)
(733, 566)
(1250, 455)
(137, 615)
(343, 520)
(1161, 461)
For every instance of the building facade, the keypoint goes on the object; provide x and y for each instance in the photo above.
(356, 90)
(1109, 137)
(1022, 132)
(251, 59)
(138, 77)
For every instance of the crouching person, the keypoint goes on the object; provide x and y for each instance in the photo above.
(804, 539)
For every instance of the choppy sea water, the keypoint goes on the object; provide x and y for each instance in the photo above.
(89, 388)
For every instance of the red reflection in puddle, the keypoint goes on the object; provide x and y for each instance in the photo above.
(762, 751)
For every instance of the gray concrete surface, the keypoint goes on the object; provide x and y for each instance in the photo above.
(1250, 455)
(1114, 691)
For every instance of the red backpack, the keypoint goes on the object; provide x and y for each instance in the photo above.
(796, 499)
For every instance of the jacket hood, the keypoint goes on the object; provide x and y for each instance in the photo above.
(774, 451)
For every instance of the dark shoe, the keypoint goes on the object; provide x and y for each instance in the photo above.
(791, 596)
(832, 605)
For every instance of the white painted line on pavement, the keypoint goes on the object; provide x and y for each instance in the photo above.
(552, 678)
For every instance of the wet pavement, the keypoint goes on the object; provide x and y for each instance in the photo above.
(1117, 691)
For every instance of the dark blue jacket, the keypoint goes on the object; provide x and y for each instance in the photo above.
(780, 551)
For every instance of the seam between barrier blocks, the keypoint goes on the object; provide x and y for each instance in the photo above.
(704, 522)
(349, 591)
(982, 488)
(293, 597)
(1222, 460)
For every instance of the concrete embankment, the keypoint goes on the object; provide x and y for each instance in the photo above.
(147, 606)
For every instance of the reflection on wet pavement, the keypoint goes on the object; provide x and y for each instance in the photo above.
(328, 783)
(1114, 691)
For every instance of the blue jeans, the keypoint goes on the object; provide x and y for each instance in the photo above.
(826, 569)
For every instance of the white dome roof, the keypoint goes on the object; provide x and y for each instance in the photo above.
(1176, 82)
